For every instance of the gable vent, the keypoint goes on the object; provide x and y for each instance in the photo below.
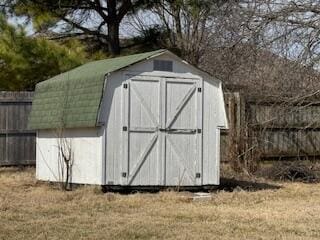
(162, 65)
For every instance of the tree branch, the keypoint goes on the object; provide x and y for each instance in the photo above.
(85, 30)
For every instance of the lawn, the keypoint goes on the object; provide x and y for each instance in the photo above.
(33, 210)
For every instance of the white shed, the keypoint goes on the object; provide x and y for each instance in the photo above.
(148, 119)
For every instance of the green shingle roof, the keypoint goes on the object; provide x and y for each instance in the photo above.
(72, 99)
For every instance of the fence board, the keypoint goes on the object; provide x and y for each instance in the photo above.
(17, 143)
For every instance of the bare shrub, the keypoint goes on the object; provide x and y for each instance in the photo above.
(295, 171)
(65, 160)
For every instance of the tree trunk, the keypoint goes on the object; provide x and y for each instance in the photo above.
(113, 35)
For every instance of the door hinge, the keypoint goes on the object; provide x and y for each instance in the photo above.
(199, 89)
(198, 175)
(125, 85)
(124, 174)
(124, 128)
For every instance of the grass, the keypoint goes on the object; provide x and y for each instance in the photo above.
(33, 210)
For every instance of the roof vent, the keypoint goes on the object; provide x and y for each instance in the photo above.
(162, 65)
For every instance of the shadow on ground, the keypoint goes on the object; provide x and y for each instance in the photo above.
(232, 184)
(226, 184)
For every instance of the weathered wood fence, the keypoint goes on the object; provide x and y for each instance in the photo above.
(17, 144)
(259, 130)
(271, 129)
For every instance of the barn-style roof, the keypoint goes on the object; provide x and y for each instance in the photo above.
(72, 99)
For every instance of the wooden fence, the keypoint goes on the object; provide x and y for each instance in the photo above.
(271, 129)
(17, 144)
(259, 130)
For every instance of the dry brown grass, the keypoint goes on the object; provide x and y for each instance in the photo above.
(31, 210)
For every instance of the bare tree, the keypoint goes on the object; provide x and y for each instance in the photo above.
(64, 145)
(65, 159)
(184, 25)
(192, 27)
(289, 28)
(274, 66)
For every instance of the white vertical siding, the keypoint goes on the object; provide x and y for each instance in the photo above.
(211, 115)
(112, 109)
(87, 155)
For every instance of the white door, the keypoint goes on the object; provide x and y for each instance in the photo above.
(162, 131)
(183, 135)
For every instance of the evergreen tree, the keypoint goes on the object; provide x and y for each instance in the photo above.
(26, 60)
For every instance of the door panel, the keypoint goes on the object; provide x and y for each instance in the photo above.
(144, 103)
(180, 105)
(181, 160)
(144, 158)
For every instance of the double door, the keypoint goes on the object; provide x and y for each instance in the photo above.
(162, 131)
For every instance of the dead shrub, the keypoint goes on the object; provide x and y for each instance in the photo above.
(295, 171)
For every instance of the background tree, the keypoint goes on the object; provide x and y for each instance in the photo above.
(190, 27)
(186, 23)
(99, 19)
(290, 29)
(24, 60)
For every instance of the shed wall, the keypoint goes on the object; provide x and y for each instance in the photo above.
(213, 118)
(86, 145)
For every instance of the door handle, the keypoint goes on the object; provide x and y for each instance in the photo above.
(182, 130)
(171, 130)
(177, 130)
(167, 130)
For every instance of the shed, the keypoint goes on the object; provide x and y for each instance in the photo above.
(147, 119)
